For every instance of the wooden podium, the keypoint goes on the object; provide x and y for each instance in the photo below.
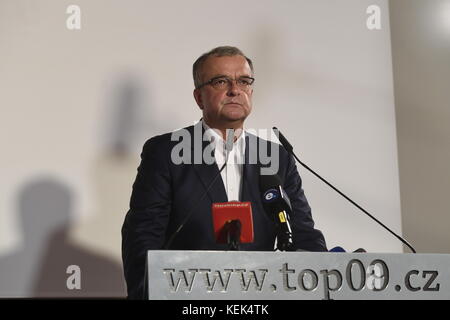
(249, 275)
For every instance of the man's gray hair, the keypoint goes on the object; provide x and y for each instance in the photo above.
(216, 52)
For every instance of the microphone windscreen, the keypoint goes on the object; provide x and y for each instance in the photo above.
(268, 182)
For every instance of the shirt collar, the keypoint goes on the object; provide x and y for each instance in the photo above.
(213, 135)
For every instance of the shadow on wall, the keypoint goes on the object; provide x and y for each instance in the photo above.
(127, 113)
(129, 117)
(39, 268)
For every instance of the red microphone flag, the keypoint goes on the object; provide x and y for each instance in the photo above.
(228, 211)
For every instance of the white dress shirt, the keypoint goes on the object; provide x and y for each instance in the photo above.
(232, 173)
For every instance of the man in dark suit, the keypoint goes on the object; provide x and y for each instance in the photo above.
(172, 180)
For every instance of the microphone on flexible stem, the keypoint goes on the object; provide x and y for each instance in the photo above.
(290, 150)
(228, 148)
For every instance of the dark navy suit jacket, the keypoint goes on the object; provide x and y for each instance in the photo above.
(164, 192)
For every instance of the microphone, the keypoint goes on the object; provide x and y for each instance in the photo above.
(232, 229)
(277, 205)
(233, 212)
(228, 148)
(340, 249)
(337, 249)
(290, 150)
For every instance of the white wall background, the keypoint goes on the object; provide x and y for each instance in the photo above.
(70, 97)
(421, 53)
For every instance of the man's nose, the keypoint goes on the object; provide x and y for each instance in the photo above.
(233, 89)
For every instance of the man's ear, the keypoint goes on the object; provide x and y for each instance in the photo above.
(198, 98)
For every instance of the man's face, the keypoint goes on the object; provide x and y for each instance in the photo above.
(227, 107)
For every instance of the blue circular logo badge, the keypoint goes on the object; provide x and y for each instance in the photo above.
(271, 195)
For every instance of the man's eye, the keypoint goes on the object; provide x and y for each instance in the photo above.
(220, 82)
(245, 82)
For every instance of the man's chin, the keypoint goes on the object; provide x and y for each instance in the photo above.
(235, 117)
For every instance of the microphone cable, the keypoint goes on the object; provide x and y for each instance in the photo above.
(285, 143)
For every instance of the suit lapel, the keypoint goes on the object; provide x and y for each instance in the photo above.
(250, 174)
(207, 172)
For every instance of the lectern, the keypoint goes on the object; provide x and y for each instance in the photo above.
(246, 275)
